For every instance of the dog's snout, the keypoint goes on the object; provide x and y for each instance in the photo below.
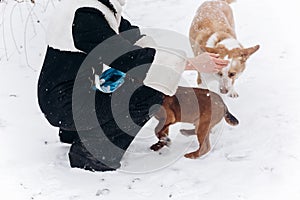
(223, 90)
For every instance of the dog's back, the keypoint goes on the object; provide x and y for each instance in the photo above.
(190, 104)
(211, 17)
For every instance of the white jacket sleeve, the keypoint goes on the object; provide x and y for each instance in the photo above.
(168, 65)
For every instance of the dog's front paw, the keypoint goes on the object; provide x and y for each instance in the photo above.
(161, 143)
(157, 146)
(233, 94)
(166, 140)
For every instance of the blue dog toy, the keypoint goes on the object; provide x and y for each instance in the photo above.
(110, 80)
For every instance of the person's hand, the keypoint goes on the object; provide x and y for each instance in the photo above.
(206, 63)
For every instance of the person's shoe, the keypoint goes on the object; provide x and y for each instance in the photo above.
(68, 137)
(81, 158)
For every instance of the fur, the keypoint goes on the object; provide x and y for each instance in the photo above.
(213, 31)
(200, 107)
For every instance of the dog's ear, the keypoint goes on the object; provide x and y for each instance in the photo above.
(251, 50)
(246, 53)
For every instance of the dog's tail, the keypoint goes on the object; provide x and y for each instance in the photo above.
(229, 1)
(230, 119)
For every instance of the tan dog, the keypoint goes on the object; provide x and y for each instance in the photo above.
(212, 30)
(200, 107)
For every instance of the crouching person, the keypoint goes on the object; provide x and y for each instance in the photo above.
(99, 113)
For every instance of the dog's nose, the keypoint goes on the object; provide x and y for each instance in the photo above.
(223, 90)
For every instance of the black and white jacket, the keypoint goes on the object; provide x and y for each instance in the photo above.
(75, 30)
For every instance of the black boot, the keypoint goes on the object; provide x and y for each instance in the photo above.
(68, 136)
(80, 157)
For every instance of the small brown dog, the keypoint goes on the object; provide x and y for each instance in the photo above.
(200, 107)
(213, 31)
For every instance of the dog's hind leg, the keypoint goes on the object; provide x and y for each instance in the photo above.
(203, 139)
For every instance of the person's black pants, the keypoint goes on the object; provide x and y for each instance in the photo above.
(120, 123)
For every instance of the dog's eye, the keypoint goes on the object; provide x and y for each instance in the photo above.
(242, 59)
(220, 74)
(231, 74)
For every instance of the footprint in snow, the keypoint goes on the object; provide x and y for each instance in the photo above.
(103, 192)
(2, 124)
(134, 181)
(237, 156)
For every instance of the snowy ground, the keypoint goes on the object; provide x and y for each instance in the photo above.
(258, 160)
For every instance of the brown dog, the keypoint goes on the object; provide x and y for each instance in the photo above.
(212, 30)
(200, 107)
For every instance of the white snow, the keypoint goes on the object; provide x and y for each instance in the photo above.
(257, 160)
